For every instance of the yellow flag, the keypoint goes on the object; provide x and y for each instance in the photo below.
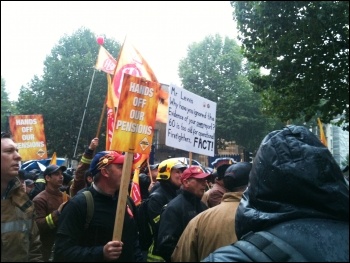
(53, 159)
(322, 135)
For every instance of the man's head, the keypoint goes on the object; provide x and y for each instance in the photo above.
(171, 170)
(29, 185)
(236, 176)
(217, 175)
(154, 170)
(53, 175)
(108, 164)
(10, 158)
(293, 175)
(194, 180)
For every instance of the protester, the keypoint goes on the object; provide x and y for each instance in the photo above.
(29, 185)
(213, 196)
(67, 182)
(39, 183)
(169, 178)
(180, 210)
(79, 181)
(146, 183)
(297, 202)
(76, 241)
(48, 206)
(20, 239)
(202, 234)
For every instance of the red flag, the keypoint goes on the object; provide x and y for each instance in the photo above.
(135, 192)
(130, 61)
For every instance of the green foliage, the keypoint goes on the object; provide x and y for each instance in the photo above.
(213, 70)
(305, 45)
(6, 106)
(61, 95)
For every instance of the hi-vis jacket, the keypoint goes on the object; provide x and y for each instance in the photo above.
(20, 239)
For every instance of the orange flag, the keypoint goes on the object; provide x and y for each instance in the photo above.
(105, 61)
(53, 159)
(322, 135)
(130, 61)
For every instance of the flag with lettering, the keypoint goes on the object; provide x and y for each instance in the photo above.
(105, 61)
(132, 62)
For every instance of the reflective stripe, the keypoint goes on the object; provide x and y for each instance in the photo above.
(49, 221)
(153, 258)
(40, 181)
(85, 160)
(23, 225)
(156, 219)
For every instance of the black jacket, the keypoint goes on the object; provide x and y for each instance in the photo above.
(296, 191)
(157, 200)
(75, 243)
(174, 219)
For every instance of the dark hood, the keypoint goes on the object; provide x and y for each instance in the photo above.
(293, 176)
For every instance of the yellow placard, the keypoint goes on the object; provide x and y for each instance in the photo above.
(28, 133)
(136, 116)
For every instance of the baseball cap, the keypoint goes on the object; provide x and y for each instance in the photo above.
(54, 168)
(239, 172)
(193, 172)
(104, 158)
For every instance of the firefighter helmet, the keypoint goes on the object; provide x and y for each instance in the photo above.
(165, 167)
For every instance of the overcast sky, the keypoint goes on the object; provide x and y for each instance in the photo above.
(161, 31)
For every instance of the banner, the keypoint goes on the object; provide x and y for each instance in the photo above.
(136, 116)
(28, 133)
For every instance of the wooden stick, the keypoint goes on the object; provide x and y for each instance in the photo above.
(123, 195)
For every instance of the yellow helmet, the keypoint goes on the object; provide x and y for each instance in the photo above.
(164, 168)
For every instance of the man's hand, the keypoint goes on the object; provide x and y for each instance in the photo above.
(112, 250)
(59, 209)
(94, 143)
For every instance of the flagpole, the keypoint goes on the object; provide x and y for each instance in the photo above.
(82, 120)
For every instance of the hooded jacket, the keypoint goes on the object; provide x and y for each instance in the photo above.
(298, 193)
(20, 239)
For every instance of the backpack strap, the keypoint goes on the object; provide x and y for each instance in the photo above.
(272, 247)
(90, 207)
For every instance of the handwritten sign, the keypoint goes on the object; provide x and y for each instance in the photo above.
(134, 125)
(191, 122)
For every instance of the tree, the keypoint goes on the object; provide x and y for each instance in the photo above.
(305, 45)
(61, 95)
(6, 105)
(213, 70)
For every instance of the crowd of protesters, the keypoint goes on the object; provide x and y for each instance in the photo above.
(291, 204)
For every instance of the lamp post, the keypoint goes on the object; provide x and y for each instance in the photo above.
(8, 114)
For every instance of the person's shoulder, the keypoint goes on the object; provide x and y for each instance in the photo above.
(41, 195)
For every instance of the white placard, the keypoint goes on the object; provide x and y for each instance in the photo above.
(191, 122)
